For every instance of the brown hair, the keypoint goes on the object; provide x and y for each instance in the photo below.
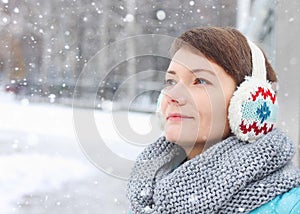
(225, 46)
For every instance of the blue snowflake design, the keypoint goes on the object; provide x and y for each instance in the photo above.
(263, 112)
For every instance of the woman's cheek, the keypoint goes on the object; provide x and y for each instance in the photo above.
(163, 105)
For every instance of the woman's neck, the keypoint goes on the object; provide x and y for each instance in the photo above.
(196, 150)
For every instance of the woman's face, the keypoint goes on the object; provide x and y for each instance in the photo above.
(195, 101)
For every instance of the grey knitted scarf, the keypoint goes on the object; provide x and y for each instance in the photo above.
(229, 177)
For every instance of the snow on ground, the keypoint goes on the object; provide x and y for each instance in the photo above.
(43, 169)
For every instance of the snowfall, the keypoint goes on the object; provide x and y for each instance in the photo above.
(44, 168)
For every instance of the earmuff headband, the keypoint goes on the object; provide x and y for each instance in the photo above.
(258, 62)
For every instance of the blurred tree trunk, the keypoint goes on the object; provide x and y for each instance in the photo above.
(130, 51)
(17, 65)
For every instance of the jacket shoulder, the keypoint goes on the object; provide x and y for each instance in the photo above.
(286, 203)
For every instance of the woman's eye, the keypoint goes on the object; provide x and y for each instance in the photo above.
(201, 81)
(170, 82)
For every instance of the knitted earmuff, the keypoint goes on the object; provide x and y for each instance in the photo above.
(253, 108)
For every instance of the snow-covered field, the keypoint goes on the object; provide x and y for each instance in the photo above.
(43, 168)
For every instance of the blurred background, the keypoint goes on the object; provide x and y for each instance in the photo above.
(44, 46)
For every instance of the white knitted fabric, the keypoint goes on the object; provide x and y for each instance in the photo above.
(230, 177)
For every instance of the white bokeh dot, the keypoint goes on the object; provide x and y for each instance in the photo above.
(161, 15)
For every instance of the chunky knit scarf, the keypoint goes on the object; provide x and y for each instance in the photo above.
(229, 177)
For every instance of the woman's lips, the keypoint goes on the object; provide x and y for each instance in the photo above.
(177, 117)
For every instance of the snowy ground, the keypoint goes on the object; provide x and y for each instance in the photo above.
(43, 169)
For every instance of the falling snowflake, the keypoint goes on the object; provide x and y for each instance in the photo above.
(128, 18)
(16, 10)
(192, 3)
(161, 15)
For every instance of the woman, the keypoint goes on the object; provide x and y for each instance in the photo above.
(221, 152)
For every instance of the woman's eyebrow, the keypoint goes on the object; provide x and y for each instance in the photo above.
(203, 70)
(171, 72)
(194, 71)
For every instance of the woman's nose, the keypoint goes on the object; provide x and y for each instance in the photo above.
(176, 96)
(177, 101)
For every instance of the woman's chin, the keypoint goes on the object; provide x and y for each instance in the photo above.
(171, 138)
(180, 139)
(173, 133)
